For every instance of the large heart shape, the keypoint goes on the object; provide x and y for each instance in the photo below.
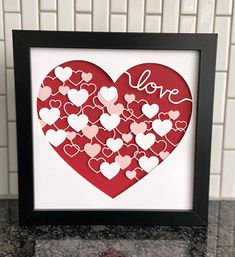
(119, 150)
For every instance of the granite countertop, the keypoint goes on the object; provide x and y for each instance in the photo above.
(118, 241)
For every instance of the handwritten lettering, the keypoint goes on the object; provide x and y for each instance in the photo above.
(151, 87)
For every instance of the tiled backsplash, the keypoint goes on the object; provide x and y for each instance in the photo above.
(188, 16)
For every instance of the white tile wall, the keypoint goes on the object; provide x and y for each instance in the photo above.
(66, 15)
(216, 151)
(30, 14)
(11, 5)
(12, 146)
(229, 140)
(46, 5)
(170, 16)
(83, 22)
(222, 27)
(101, 15)
(3, 123)
(219, 97)
(189, 6)
(228, 176)
(48, 21)
(3, 172)
(186, 16)
(84, 6)
(205, 16)
(1, 22)
(152, 23)
(12, 21)
(10, 95)
(153, 6)
(136, 16)
(2, 68)
(118, 23)
(119, 6)
(231, 74)
(187, 24)
(224, 7)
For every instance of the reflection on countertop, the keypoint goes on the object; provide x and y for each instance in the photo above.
(118, 241)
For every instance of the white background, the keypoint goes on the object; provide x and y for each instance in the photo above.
(58, 186)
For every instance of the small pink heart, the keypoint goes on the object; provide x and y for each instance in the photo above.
(106, 103)
(92, 150)
(131, 174)
(90, 131)
(64, 90)
(42, 123)
(44, 93)
(174, 114)
(86, 76)
(163, 155)
(70, 135)
(127, 137)
(123, 161)
(115, 109)
(137, 128)
(129, 98)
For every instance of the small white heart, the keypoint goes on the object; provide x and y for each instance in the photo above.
(108, 93)
(63, 74)
(109, 170)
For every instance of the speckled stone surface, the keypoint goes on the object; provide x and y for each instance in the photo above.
(118, 241)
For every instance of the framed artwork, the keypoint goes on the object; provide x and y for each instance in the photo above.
(113, 128)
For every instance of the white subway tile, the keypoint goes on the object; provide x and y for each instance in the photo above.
(12, 146)
(13, 183)
(231, 74)
(118, 5)
(153, 6)
(222, 27)
(233, 25)
(219, 97)
(48, 5)
(11, 95)
(152, 23)
(11, 5)
(170, 16)
(224, 7)
(66, 15)
(12, 21)
(30, 14)
(100, 15)
(216, 148)
(1, 22)
(48, 21)
(3, 123)
(228, 175)
(214, 192)
(229, 141)
(189, 6)
(3, 172)
(83, 22)
(2, 69)
(136, 16)
(205, 16)
(118, 23)
(83, 6)
(187, 24)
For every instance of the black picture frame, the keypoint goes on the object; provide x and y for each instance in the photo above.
(204, 43)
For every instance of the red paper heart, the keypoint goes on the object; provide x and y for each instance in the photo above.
(158, 87)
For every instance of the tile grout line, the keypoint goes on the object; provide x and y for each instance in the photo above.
(57, 21)
(74, 16)
(127, 15)
(92, 15)
(162, 8)
(197, 11)
(144, 16)
(179, 17)
(109, 2)
(226, 95)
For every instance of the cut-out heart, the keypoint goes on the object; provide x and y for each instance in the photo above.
(139, 114)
